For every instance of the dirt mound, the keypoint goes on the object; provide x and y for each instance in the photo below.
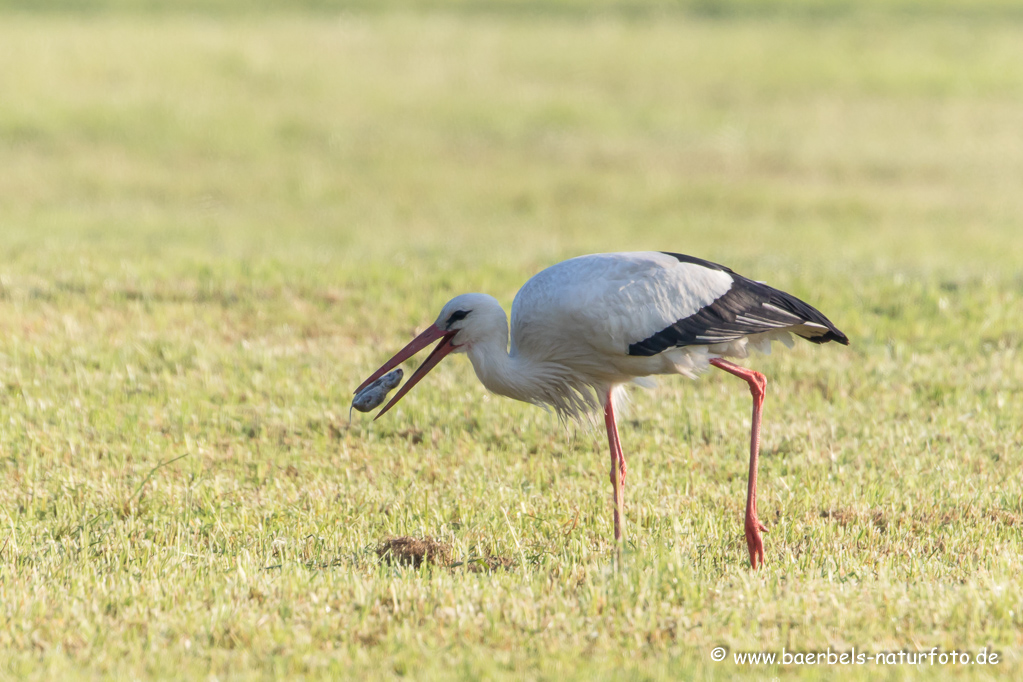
(414, 552)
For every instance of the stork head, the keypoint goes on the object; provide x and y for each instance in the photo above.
(464, 321)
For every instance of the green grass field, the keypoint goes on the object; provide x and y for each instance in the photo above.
(214, 224)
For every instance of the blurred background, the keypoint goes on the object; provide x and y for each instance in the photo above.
(851, 135)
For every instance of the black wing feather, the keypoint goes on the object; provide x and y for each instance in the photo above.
(747, 308)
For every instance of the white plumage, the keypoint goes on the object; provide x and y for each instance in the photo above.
(584, 327)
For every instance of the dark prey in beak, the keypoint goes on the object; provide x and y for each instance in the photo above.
(417, 344)
(375, 393)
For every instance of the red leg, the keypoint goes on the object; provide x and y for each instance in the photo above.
(617, 467)
(757, 386)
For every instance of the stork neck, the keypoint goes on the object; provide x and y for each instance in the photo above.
(522, 376)
(493, 365)
(500, 372)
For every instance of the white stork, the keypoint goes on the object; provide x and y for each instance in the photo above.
(583, 328)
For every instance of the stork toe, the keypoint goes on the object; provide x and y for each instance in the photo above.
(754, 541)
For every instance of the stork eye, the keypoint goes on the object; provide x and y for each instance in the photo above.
(456, 316)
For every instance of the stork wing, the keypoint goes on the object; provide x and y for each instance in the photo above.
(746, 308)
(644, 303)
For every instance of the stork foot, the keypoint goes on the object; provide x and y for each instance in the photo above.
(754, 541)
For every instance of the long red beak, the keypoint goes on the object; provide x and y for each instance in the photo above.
(417, 344)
